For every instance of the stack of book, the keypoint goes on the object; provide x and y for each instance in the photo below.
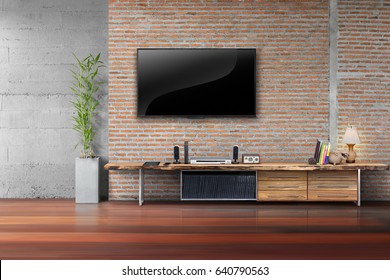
(321, 154)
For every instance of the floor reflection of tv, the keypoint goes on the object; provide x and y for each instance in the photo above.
(196, 82)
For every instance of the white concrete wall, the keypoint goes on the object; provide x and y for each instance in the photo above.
(37, 38)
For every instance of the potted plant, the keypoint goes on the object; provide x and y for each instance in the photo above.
(85, 85)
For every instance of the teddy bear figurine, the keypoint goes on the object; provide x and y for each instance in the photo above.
(337, 157)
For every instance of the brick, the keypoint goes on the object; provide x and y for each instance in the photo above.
(292, 71)
(364, 81)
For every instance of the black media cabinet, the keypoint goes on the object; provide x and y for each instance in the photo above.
(218, 185)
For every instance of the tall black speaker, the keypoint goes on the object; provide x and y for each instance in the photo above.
(186, 159)
(235, 154)
(176, 154)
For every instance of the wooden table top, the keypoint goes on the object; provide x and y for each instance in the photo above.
(245, 167)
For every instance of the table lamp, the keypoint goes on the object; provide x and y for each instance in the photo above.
(351, 138)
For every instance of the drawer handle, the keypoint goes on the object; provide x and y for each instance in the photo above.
(282, 187)
(330, 187)
(333, 177)
(288, 177)
(292, 196)
(334, 195)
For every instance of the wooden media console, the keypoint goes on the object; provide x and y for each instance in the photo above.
(275, 181)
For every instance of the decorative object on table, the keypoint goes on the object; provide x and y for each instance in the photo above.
(311, 161)
(176, 154)
(151, 163)
(351, 137)
(337, 157)
(85, 85)
(250, 158)
(321, 153)
(235, 154)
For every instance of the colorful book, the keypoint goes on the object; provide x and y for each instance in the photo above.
(327, 154)
(322, 152)
(319, 154)
(317, 150)
(322, 148)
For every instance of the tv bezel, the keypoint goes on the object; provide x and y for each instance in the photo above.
(201, 116)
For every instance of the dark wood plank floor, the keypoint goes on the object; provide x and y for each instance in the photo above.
(60, 229)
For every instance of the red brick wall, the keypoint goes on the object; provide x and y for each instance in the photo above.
(291, 38)
(364, 86)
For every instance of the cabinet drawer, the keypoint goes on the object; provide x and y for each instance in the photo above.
(332, 185)
(340, 195)
(333, 175)
(282, 195)
(282, 185)
(282, 175)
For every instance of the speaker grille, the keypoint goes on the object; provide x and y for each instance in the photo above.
(223, 185)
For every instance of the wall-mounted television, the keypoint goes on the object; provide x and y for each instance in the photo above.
(196, 82)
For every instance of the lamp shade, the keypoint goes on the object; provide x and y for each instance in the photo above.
(351, 136)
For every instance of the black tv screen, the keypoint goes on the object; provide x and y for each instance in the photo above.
(196, 82)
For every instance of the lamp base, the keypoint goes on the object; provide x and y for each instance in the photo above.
(351, 154)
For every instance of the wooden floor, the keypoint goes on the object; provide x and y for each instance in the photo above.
(60, 229)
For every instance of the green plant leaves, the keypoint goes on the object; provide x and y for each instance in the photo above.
(84, 86)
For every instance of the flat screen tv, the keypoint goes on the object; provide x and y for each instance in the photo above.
(196, 82)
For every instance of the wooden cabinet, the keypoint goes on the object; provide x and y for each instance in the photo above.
(282, 176)
(332, 186)
(279, 181)
(282, 185)
(343, 175)
(307, 185)
(282, 195)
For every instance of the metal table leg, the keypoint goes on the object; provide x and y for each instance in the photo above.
(141, 187)
(358, 186)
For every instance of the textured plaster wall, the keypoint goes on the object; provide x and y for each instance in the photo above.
(37, 38)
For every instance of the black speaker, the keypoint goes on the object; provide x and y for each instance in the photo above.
(176, 154)
(235, 154)
(186, 159)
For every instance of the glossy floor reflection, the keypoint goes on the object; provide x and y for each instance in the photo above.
(60, 229)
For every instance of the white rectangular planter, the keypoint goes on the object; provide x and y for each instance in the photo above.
(87, 180)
